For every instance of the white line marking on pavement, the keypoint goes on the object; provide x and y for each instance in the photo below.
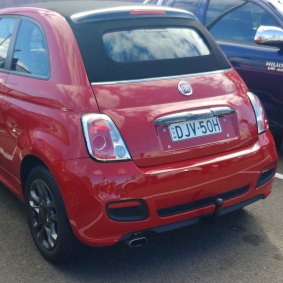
(279, 176)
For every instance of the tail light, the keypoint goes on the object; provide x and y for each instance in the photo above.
(262, 124)
(103, 139)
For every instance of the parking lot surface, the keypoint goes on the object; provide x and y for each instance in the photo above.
(245, 246)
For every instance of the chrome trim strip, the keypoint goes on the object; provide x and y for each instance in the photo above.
(194, 115)
(184, 117)
(81, 15)
(222, 110)
(162, 78)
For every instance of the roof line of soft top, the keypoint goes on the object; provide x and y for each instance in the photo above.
(83, 16)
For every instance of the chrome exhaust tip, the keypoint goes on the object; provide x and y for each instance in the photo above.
(137, 241)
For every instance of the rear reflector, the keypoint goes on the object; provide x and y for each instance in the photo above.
(265, 176)
(129, 210)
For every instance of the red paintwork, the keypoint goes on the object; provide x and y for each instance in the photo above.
(42, 119)
(88, 189)
(135, 107)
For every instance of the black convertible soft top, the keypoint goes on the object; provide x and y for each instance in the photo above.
(67, 8)
(91, 20)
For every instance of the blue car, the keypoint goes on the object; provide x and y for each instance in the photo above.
(251, 35)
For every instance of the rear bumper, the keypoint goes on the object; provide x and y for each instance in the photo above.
(196, 220)
(174, 195)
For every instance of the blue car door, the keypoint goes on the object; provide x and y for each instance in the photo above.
(233, 23)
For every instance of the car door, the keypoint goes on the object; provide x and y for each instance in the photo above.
(28, 67)
(7, 28)
(233, 23)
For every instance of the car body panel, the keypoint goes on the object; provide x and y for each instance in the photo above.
(161, 186)
(41, 119)
(22, 93)
(129, 106)
(3, 77)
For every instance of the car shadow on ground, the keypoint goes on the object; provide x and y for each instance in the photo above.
(205, 249)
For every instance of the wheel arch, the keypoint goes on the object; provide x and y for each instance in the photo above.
(28, 163)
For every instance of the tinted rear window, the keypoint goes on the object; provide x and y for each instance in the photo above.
(135, 48)
(154, 44)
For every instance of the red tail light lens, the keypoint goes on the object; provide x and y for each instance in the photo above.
(103, 139)
(262, 124)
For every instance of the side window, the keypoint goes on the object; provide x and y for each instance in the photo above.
(189, 5)
(30, 54)
(237, 23)
(7, 26)
(217, 8)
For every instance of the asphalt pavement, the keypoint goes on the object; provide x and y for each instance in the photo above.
(245, 246)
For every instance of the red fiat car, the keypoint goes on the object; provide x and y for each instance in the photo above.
(116, 122)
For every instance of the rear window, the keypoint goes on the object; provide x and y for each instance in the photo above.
(144, 48)
(154, 44)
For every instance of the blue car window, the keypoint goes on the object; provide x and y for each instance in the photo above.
(30, 54)
(216, 8)
(6, 29)
(238, 23)
(189, 5)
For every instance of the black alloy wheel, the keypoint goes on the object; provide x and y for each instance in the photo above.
(47, 218)
(43, 214)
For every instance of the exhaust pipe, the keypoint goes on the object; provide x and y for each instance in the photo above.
(136, 241)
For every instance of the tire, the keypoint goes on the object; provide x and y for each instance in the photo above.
(47, 218)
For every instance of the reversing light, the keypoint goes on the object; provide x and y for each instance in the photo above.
(103, 139)
(262, 124)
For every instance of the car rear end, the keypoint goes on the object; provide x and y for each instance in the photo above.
(178, 136)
